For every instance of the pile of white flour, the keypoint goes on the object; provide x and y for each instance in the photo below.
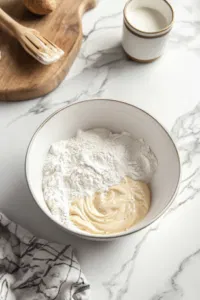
(92, 161)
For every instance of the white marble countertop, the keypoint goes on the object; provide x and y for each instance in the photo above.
(163, 260)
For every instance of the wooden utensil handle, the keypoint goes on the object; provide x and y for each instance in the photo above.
(9, 23)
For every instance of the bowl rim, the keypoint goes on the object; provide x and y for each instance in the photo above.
(87, 235)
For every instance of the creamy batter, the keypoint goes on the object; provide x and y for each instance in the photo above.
(113, 211)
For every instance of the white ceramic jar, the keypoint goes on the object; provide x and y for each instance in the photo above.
(146, 28)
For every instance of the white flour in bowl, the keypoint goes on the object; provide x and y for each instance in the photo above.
(92, 161)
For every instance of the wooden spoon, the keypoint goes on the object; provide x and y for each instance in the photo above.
(31, 40)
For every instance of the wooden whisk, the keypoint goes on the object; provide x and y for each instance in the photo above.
(31, 40)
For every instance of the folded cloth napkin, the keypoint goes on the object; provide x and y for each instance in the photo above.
(34, 269)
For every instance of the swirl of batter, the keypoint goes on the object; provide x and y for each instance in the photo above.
(113, 211)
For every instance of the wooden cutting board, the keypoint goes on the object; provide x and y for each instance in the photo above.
(21, 76)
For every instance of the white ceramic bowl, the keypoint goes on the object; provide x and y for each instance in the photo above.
(116, 116)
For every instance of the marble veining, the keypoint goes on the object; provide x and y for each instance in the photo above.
(119, 283)
(161, 261)
(186, 133)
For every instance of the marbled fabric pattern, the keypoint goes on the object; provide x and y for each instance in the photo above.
(34, 269)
